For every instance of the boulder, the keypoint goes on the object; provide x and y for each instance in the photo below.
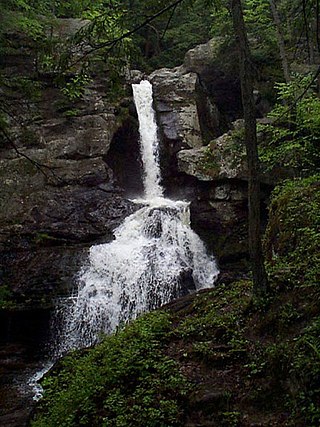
(218, 78)
(175, 102)
(224, 158)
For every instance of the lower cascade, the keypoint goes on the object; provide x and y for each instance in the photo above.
(155, 256)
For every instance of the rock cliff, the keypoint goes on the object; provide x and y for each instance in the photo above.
(64, 188)
(197, 104)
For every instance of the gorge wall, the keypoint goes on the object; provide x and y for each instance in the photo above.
(85, 165)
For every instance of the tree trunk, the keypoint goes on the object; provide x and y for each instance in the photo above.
(318, 25)
(260, 283)
(306, 27)
(280, 39)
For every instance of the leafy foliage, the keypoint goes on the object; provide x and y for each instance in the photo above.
(292, 239)
(292, 140)
(5, 297)
(126, 380)
(31, 32)
(164, 41)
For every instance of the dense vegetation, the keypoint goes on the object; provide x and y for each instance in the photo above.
(292, 138)
(126, 380)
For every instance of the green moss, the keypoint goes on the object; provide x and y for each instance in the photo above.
(44, 239)
(210, 163)
(216, 329)
(286, 373)
(231, 152)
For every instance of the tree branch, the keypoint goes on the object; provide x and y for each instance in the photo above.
(40, 166)
(168, 22)
(112, 43)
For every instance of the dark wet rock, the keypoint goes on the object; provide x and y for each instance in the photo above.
(60, 196)
(124, 156)
(187, 283)
(210, 401)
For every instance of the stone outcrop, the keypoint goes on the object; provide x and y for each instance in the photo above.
(223, 158)
(58, 194)
(202, 159)
(52, 209)
(185, 115)
(175, 98)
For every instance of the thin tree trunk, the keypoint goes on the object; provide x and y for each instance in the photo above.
(318, 25)
(260, 282)
(304, 10)
(280, 39)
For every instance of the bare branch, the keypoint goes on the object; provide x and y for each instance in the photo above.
(169, 21)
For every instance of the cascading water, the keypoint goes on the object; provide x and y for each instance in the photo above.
(142, 95)
(154, 258)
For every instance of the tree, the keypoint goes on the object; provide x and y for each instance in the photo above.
(260, 282)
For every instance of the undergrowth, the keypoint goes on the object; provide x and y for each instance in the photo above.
(124, 381)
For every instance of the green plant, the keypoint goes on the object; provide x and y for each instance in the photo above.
(126, 380)
(5, 297)
(72, 112)
(75, 88)
(292, 139)
(230, 418)
(293, 232)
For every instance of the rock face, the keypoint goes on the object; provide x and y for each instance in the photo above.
(186, 114)
(58, 194)
(175, 97)
(53, 209)
(197, 104)
(223, 158)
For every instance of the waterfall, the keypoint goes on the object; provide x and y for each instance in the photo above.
(154, 258)
(142, 94)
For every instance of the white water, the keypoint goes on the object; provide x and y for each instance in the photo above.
(154, 258)
(142, 94)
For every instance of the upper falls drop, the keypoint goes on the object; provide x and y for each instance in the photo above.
(154, 258)
(142, 95)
